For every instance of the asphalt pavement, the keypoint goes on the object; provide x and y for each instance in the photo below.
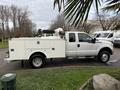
(8, 67)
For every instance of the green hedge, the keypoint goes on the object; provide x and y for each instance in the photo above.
(4, 44)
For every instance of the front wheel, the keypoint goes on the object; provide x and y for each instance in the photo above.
(104, 56)
(37, 61)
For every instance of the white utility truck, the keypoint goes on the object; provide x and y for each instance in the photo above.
(74, 45)
(104, 35)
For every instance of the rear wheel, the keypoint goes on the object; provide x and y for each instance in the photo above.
(37, 61)
(104, 56)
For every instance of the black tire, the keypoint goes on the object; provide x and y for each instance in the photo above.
(104, 56)
(37, 61)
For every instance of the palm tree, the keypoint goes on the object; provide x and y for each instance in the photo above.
(113, 5)
(77, 11)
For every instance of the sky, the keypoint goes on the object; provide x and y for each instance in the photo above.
(42, 12)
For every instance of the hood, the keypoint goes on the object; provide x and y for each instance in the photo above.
(104, 41)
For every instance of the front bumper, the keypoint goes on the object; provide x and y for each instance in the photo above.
(116, 44)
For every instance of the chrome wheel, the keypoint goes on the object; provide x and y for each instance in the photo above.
(37, 61)
(104, 57)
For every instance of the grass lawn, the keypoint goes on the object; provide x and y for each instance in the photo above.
(63, 78)
(4, 44)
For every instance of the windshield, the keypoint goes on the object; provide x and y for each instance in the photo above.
(95, 35)
(103, 35)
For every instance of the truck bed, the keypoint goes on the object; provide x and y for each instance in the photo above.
(23, 48)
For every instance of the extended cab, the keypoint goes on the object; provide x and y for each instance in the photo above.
(74, 45)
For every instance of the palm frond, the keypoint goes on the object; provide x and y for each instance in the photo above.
(113, 5)
(60, 3)
(112, 1)
(76, 11)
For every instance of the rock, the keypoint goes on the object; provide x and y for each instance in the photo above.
(105, 82)
(101, 82)
(88, 85)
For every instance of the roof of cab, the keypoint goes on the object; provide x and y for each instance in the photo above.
(75, 32)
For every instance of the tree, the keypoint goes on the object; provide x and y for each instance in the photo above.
(7, 19)
(22, 25)
(14, 11)
(107, 22)
(2, 19)
(76, 11)
(60, 23)
(86, 27)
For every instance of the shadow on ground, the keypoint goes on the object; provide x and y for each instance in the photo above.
(54, 63)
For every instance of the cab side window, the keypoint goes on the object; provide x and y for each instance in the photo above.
(84, 37)
(72, 37)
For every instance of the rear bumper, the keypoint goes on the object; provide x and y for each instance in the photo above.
(8, 60)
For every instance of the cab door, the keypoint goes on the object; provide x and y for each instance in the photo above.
(71, 45)
(86, 46)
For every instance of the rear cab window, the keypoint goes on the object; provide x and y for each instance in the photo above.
(72, 37)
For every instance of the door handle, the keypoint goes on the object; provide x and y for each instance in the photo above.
(78, 45)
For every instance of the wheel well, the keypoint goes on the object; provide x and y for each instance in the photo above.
(107, 49)
(38, 53)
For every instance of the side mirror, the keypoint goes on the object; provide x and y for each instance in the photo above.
(93, 40)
